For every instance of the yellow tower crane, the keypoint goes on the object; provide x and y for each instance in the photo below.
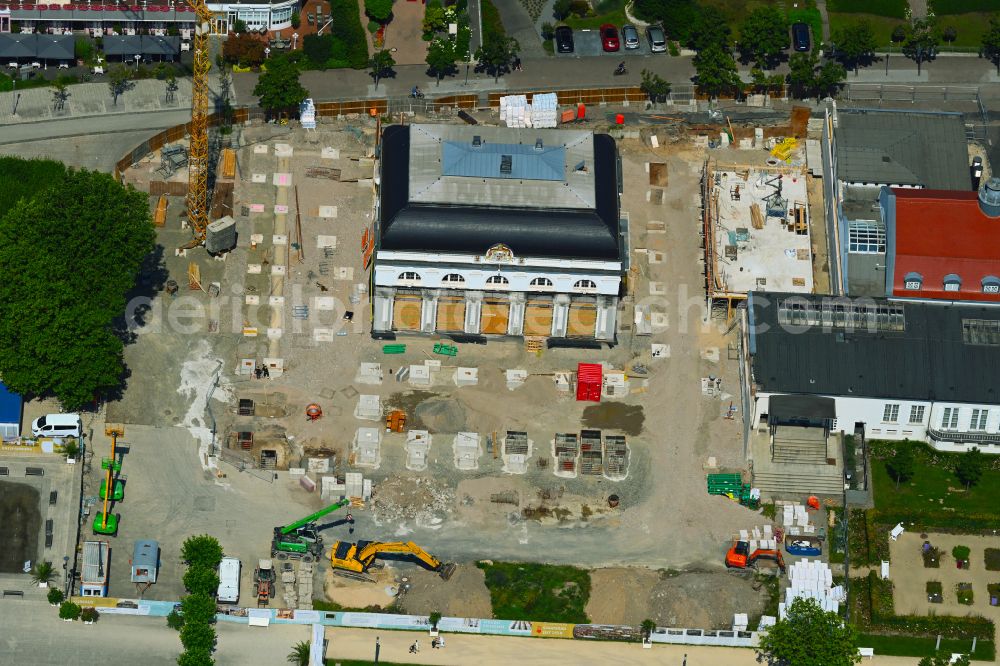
(197, 194)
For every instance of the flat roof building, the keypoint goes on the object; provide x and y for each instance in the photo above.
(490, 231)
(96, 565)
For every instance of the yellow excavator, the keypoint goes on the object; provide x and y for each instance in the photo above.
(353, 560)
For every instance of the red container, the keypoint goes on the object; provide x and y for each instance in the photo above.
(581, 112)
(589, 378)
(619, 119)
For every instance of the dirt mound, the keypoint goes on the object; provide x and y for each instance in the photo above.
(441, 415)
(465, 595)
(402, 498)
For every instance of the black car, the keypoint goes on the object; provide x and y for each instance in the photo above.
(564, 39)
(800, 37)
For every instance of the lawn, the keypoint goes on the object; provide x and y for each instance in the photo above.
(943, 7)
(907, 646)
(890, 8)
(970, 28)
(612, 12)
(882, 27)
(541, 592)
(934, 496)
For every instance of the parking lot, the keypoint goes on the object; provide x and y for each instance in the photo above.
(588, 43)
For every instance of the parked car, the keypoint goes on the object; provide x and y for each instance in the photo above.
(800, 37)
(657, 39)
(609, 38)
(564, 39)
(630, 36)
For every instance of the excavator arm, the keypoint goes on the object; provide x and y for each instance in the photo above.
(287, 529)
(359, 557)
(374, 549)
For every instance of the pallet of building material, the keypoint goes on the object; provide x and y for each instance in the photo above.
(725, 484)
(194, 276)
(591, 454)
(445, 350)
(615, 457)
(228, 160)
(756, 217)
(393, 349)
(160, 216)
(515, 443)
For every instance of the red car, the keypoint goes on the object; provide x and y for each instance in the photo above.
(609, 37)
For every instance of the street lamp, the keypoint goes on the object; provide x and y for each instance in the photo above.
(295, 40)
(267, 51)
(137, 59)
(378, 646)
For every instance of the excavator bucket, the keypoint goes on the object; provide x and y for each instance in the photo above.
(447, 570)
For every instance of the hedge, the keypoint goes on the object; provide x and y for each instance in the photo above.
(868, 540)
(889, 8)
(345, 45)
(492, 23)
(942, 7)
(949, 522)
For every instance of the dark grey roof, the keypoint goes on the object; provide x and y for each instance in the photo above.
(130, 45)
(542, 227)
(17, 45)
(56, 47)
(902, 148)
(928, 360)
(783, 408)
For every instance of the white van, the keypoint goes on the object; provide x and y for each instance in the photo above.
(229, 580)
(57, 425)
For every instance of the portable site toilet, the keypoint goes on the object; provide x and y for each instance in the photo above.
(145, 563)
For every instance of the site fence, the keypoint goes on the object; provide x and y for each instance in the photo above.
(421, 623)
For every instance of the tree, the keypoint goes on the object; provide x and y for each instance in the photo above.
(710, 28)
(278, 88)
(807, 77)
(943, 658)
(809, 636)
(763, 36)
(921, 42)
(829, 78)
(202, 551)
(716, 71)
(678, 17)
(496, 54)
(296, 19)
(175, 620)
(171, 87)
(434, 20)
(900, 465)
(764, 82)
(654, 86)
(198, 609)
(949, 34)
(380, 10)
(244, 50)
(119, 80)
(299, 654)
(433, 619)
(898, 34)
(71, 348)
(197, 636)
(548, 31)
(855, 43)
(441, 57)
(83, 49)
(991, 42)
(560, 10)
(647, 628)
(55, 596)
(381, 64)
(89, 614)
(196, 658)
(71, 448)
(60, 94)
(201, 580)
(318, 49)
(970, 467)
(69, 611)
(43, 573)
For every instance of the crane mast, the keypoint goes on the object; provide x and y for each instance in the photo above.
(198, 157)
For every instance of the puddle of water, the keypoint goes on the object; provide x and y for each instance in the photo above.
(22, 519)
(615, 416)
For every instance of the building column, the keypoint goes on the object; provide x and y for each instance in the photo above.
(515, 317)
(428, 310)
(383, 300)
(473, 311)
(607, 317)
(560, 315)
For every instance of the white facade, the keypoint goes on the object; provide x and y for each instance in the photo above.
(946, 426)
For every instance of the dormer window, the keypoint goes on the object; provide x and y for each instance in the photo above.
(913, 281)
(496, 279)
(952, 282)
(409, 276)
(453, 278)
(991, 284)
(585, 284)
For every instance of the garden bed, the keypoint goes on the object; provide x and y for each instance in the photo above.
(964, 593)
(991, 557)
(935, 592)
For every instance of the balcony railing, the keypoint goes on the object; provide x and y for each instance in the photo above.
(964, 437)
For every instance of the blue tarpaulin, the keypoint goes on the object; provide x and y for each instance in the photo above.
(10, 413)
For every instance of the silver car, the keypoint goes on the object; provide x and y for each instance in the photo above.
(657, 40)
(630, 36)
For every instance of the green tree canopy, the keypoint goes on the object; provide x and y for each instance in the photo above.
(299, 654)
(196, 658)
(809, 636)
(654, 86)
(716, 71)
(69, 255)
(497, 53)
(678, 17)
(807, 77)
(560, 9)
(921, 42)
(202, 551)
(969, 468)
(199, 579)
(197, 636)
(764, 35)
(710, 28)
(381, 64)
(900, 465)
(246, 50)
(441, 57)
(855, 43)
(991, 42)
(380, 10)
(278, 88)
(119, 80)
(943, 658)
(198, 609)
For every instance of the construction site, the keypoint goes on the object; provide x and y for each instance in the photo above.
(261, 410)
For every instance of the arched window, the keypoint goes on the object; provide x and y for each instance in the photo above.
(497, 279)
(409, 276)
(453, 278)
(913, 281)
(585, 284)
(541, 282)
(952, 282)
(991, 284)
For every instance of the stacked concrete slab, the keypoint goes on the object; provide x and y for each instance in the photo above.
(369, 373)
(467, 451)
(369, 408)
(418, 445)
(366, 447)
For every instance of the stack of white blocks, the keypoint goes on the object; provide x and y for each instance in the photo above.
(795, 519)
(354, 484)
(759, 538)
(812, 579)
(545, 110)
(515, 111)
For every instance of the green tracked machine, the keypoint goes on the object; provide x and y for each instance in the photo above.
(301, 539)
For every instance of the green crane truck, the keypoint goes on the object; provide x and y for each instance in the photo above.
(301, 539)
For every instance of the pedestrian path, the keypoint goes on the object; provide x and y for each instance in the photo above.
(825, 17)
(918, 8)
(519, 25)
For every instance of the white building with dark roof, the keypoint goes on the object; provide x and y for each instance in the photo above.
(489, 231)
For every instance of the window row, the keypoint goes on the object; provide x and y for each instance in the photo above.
(456, 278)
(952, 282)
(949, 417)
(890, 414)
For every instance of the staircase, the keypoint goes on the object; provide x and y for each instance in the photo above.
(795, 480)
(796, 462)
